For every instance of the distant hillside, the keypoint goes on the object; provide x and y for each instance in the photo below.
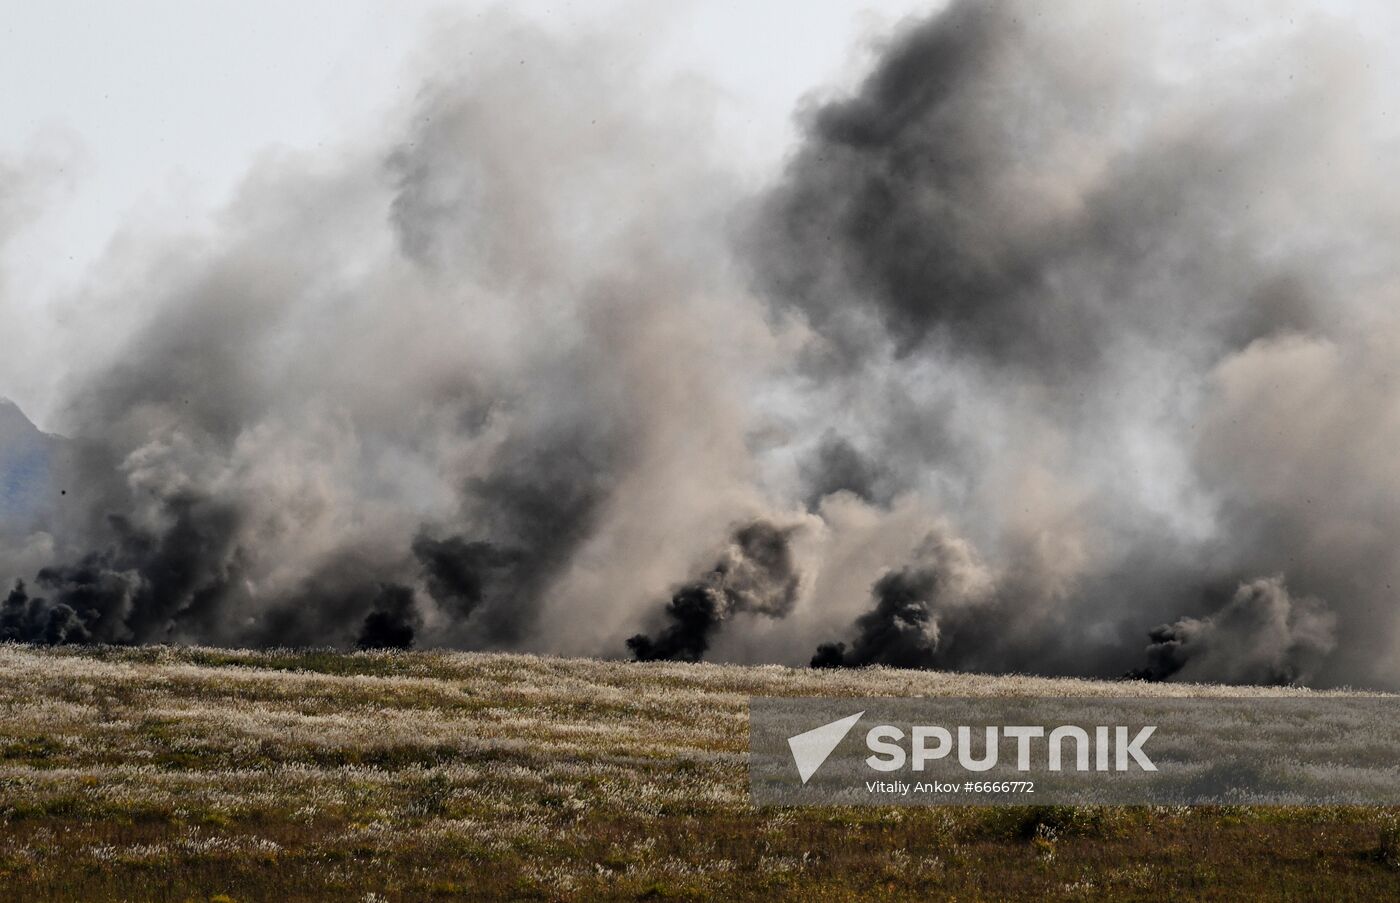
(27, 462)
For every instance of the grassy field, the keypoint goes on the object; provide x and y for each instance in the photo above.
(202, 774)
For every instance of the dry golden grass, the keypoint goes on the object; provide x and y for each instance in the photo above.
(190, 774)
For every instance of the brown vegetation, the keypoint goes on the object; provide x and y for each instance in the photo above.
(201, 774)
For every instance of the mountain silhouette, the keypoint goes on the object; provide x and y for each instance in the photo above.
(28, 461)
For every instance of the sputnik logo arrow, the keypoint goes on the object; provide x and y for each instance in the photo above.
(810, 749)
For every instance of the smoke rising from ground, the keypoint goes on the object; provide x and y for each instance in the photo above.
(1100, 295)
(1062, 324)
(915, 611)
(754, 575)
(429, 388)
(1262, 636)
(392, 622)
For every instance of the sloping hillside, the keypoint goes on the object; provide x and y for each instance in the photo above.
(26, 461)
(188, 774)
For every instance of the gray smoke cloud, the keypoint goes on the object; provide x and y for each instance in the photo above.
(1102, 275)
(424, 390)
(1262, 636)
(755, 574)
(1061, 324)
(918, 611)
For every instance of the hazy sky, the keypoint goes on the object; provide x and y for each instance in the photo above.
(157, 107)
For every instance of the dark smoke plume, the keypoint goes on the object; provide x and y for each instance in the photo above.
(920, 612)
(33, 620)
(1262, 636)
(393, 621)
(459, 573)
(901, 631)
(537, 507)
(141, 585)
(754, 574)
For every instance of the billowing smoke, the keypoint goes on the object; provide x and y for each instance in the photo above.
(1088, 299)
(1060, 324)
(460, 574)
(754, 575)
(918, 611)
(392, 622)
(437, 389)
(1262, 636)
(838, 466)
(901, 631)
(29, 620)
(138, 587)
